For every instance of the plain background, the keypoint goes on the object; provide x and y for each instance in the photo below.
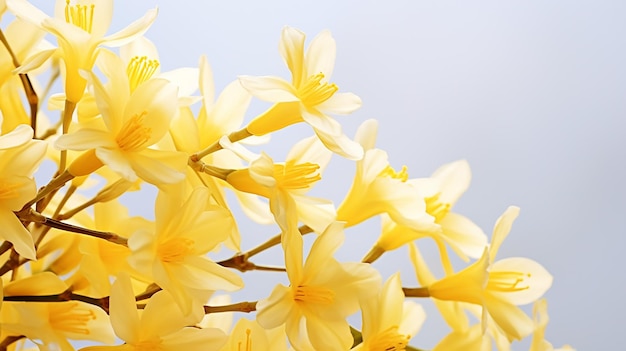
(531, 93)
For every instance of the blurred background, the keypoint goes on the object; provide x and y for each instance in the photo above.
(530, 93)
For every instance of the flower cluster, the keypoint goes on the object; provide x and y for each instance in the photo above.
(78, 267)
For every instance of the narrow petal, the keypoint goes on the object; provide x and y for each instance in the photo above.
(341, 145)
(291, 48)
(158, 166)
(206, 84)
(230, 108)
(124, 318)
(35, 61)
(513, 321)
(341, 104)
(85, 139)
(132, 31)
(274, 310)
(455, 179)
(328, 334)
(310, 150)
(320, 57)
(26, 11)
(501, 230)
(366, 134)
(153, 325)
(202, 273)
(272, 89)
(185, 78)
(14, 232)
(18, 136)
(463, 235)
(118, 163)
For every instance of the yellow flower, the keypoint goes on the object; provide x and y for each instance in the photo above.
(80, 29)
(161, 325)
(309, 96)
(540, 317)
(285, 185)
(132, 125)
(499, 286)
(19, 157)
(321, 295)
(248, 335)
(377, 188)
(53, 323)
(174, 255)
(389, 322)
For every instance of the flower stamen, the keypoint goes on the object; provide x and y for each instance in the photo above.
(175, 250)
(403, 175)
(139, 70)
(296, 176)
(70, 317)
(436, 208)
(313, 92)
(314, 294)
(507, 281)
(133, 134)
(80, 15)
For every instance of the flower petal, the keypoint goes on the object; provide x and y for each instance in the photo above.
(267, 88)
(320, 57)
(85, 139)
(274, 310)
(291, 48)
(158, 166)
(124, 317)
(534, 276)
(341, 104)
(132, 31)
(118, 162)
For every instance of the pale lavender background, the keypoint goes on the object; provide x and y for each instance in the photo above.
(531, 93)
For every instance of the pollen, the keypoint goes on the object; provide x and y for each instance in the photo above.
(314, 294)
(313, 91)
(133, 135)
(139, 70)
(389, 340)
(507, 281)
(248, 345)
(70, 317)
(296, 176)
(80, 15)
(436, 208)
(175, 250)
(403, 175)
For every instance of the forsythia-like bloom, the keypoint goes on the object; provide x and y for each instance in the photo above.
(309, 96)
(322, 293)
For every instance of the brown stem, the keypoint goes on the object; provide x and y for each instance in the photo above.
(65, 296)
(245, 307)
(9, 340)
(241, 260)
(33, 216)
(6, 246)
(374, 253)
(55, 184)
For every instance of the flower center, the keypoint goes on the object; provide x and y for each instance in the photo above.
(313, 92)
(314, 294)
(248, 345)
(133, 134)
(436, 208)
(175, 250)
(507, 281)
(296, 176)
(70, 317)
(80, 15)
(389, 172)
(139, 70)
(389, 340)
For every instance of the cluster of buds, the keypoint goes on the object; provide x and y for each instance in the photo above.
(77, 267)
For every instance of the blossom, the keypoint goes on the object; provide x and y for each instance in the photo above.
(389, 322)
(498, 286)
(173, 255)
(161, 326)
(131, 125)
(80, 29)
(378, 188)
(19, 157)
(309, 97)
(286, 184)
(321, 294)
